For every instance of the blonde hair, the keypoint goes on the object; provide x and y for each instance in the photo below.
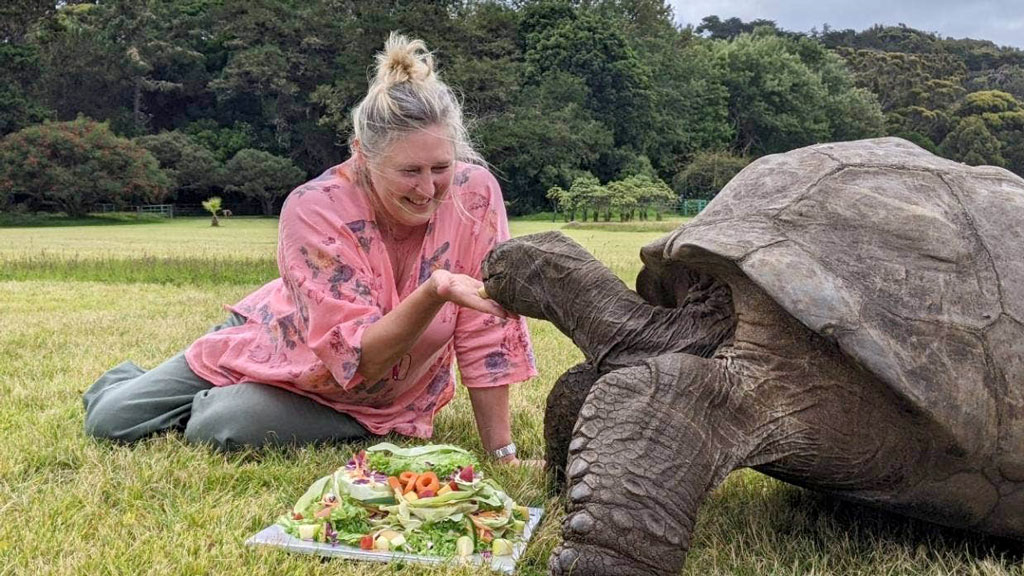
(405, 96)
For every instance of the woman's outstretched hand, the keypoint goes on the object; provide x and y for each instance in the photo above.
(526, 463)
(465, 291)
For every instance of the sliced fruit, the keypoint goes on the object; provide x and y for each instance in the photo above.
(308, 531)
(501, 547)
(464, 546)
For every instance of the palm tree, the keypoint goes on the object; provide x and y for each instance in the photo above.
(212, 206)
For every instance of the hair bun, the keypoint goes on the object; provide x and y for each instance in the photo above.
(403, 60)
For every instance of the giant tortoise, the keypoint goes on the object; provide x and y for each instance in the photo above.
(846, 317)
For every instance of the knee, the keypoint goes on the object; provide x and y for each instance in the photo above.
(104, 420)
(107, 404)
(221, 423)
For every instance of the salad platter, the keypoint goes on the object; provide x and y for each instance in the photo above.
(427, 504)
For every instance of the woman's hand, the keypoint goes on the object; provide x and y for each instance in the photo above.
(465, 291)
(527, 463)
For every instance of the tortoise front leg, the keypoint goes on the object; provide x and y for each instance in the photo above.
(563, 407)
(650, 443)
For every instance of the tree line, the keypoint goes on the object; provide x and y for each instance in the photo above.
(135, 101)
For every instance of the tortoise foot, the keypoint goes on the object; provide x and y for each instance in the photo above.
(578, 559)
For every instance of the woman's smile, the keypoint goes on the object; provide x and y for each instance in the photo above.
(419, 202)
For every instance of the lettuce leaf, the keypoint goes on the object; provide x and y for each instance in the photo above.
(437, 539)
(312, 496)
(443, 459)
(369, 491)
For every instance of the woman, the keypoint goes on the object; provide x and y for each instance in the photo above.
(378, 295)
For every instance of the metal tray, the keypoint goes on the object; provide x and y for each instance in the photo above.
(275, 536)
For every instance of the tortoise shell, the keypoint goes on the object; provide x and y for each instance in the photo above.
(911, 264)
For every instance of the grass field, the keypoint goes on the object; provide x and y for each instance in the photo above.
(77, 300)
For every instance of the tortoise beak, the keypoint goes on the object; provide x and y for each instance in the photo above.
(494, 264)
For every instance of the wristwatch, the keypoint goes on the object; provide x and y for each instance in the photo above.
(507, 450)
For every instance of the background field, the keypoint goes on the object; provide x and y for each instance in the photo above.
(75, 301)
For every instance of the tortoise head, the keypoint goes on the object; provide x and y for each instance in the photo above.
(520, 273)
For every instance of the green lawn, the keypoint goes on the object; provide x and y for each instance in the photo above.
(77, 300)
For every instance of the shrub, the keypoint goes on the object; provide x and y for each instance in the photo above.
(71, 166)
(194, 171)
(261, 176)
(972, 143)
(708, 173)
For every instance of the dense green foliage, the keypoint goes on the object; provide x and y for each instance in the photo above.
(71, 166)
(192, 168)
(261, 176)
(556, 88)
(709, 172)
(631, 198)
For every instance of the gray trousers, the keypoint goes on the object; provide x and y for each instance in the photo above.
(128, 403)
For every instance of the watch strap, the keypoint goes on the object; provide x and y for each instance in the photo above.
(507, 450)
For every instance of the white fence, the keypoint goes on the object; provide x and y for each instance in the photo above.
(165, 210)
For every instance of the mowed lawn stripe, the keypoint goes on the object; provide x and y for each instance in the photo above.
(176, 271)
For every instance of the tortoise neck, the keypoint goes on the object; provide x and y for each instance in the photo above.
(549, 276)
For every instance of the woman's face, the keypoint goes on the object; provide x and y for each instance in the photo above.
(412, 176)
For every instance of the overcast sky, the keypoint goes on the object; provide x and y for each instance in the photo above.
(1001, 21)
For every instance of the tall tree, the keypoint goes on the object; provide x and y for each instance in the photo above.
(774, 98)
(592, 49)
(20, 64)
(152, 36)
(545, 140)
(83, 72)
(484, 60)
(728, 29)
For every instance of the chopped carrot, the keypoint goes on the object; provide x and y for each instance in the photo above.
(394, 483)
(408, 480)
(427, 481)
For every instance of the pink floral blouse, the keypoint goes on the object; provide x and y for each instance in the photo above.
(303, 330)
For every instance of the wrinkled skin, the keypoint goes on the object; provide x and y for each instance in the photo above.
(612, 325)
(671, 399)
(563, 406)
